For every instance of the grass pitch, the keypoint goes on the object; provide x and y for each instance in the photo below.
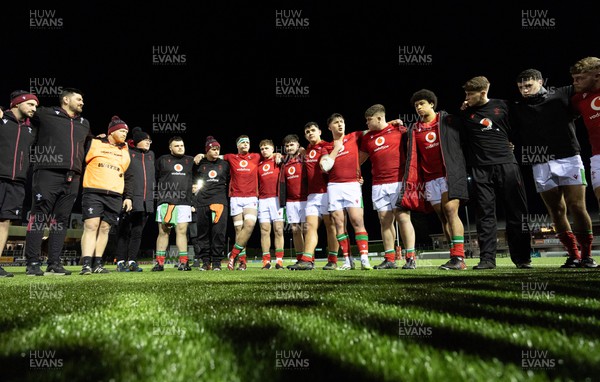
(390, 325)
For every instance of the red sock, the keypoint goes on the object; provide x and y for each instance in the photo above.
(160, 260)
(568, 240)
(390, 255)
(362, 242)
(332, 257)
(266, 258)
(299, 257)
(344, 243)
(235, 251)
(585, 242)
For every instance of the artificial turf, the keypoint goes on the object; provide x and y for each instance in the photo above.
(505, 324)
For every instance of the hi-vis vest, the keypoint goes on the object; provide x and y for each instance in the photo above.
(105, 167)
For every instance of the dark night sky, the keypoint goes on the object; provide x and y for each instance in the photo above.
(232, 58)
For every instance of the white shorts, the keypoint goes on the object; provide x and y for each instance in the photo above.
(559, 172)
(595, 171)
(173, 214)
(344, 195)
(239, 203)
(317, 205)
(269, 210)
(295, 212)
(434, 190)
(385, 196)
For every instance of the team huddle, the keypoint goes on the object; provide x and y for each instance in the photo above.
(422, 167)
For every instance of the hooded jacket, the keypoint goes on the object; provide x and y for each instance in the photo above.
(412, 196)
(142, 172)
(16, 138)
(61, 139)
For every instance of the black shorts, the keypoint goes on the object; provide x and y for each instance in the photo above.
(106, 207)
(12, 195)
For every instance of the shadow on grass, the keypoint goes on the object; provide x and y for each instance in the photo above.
(265, 353)
(57, 364)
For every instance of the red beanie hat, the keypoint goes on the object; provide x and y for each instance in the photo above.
(116, 124)
(211, 142)
(20, 96)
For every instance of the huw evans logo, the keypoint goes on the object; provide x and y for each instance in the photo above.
(168, 55)
(44, 19)
(290, 360)
(291, 19)
(291, 87)
(44, 86)
(413, 328)
(167, 123)
(537, 19)
(414, 55)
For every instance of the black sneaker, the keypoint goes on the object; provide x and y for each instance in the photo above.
(216, 266)
(524, 266)
(485, 264)
(454, 264)
(157, 268)
(572, 262)
(588, 262)
(279, 266)
(291, 265)
(204, 267)
(266, 266)
(302, 266)
(3, 273)
(242, 266)
(196, 263)
(385, 264)
(330, 266)
(56, 270)
(184, 267)
(34, 269)
(100, 269)
(410, 263)
(134, 267)
(86, 270)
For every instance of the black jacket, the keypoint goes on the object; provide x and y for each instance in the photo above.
(546, 127)
(215, 178)
(142, 170)
(61, 140)
(16, 139)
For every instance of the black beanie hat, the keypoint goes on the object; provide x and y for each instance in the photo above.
(138, 135)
